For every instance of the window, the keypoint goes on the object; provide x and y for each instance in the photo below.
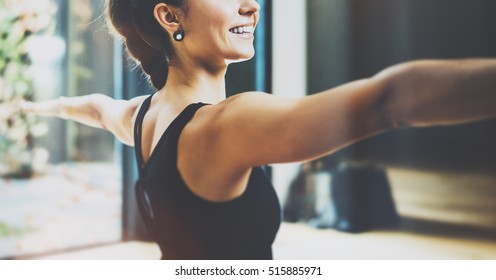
(75, 198)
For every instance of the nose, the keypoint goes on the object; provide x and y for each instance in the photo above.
(249, 7)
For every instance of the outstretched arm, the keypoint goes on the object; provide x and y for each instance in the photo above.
(96, 110)
(227, 140)
(435, 92)
(260, 129)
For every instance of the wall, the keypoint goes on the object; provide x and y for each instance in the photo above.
(449, 170)
(289, 68)
(349, 40)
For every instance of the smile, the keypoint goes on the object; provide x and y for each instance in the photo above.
(242, 30)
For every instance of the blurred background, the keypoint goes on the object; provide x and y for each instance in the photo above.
(66, 190)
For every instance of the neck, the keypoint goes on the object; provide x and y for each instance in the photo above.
(191, 84)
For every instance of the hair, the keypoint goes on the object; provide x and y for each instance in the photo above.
(145, 39)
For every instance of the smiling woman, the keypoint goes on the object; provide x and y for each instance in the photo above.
(201, 190)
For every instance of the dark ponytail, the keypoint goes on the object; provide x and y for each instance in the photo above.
(145, 39)
(152, 62)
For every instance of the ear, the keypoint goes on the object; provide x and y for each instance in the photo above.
(167, 17)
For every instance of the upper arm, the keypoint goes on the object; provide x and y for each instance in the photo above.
(118, 116)
(255, 129)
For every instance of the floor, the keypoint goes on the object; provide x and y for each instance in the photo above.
(64, 208)
(300, 242)
(429, 229)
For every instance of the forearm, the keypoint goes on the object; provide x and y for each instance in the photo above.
(82, 109)
(441, 92)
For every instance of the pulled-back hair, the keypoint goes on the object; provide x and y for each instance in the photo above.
(146, 40)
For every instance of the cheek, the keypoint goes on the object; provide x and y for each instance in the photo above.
(212, 17)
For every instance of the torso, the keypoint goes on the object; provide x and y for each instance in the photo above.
(180, 211)
(195, 169)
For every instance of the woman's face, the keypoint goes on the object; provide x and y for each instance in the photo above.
(219, 30)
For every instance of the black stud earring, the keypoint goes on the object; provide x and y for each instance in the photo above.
(178, 35)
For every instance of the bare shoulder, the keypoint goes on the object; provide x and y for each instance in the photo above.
(133, 106)
(210, 117)
(121, 117)
(205, 150)
(250, 107)
(251, 100)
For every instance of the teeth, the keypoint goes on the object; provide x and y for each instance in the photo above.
(242, 29)
(248, 29)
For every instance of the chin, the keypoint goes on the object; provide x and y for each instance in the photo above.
(240, 57)
(230, 61)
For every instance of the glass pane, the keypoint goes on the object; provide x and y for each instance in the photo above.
(60, 184)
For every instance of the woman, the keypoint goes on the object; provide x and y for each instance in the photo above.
(201, 191)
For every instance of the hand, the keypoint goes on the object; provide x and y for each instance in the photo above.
(26, 106)
(9, 108)
(48, 108)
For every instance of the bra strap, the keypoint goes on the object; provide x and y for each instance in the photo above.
(138, 125)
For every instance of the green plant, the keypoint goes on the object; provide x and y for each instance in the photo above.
(6, 230)
(20, 20)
